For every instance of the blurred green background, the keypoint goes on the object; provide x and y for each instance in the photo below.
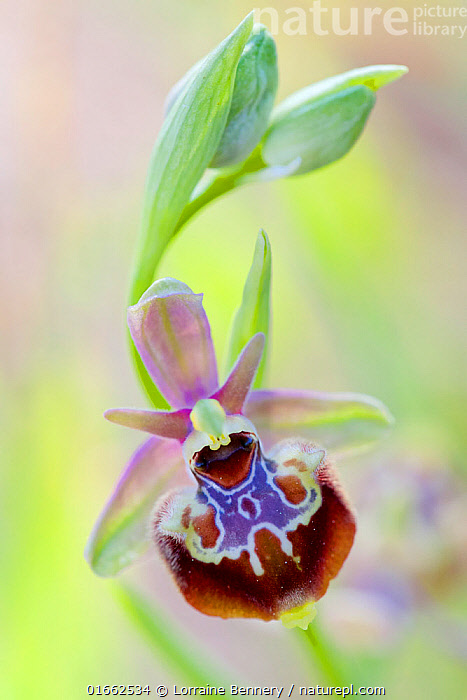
(367, 288)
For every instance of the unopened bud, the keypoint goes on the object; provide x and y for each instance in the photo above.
(321, 123)
(252, 100)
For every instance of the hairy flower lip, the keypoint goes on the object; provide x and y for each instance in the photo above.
(257, 552)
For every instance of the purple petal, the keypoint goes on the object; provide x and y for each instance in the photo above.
(175, 425)
(121, 532)
(172, 334)
(233, 393)
(338, 421)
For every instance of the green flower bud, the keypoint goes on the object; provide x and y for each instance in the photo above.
(321, 123)
(252, 100)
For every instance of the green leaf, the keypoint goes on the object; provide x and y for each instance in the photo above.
(253, 314)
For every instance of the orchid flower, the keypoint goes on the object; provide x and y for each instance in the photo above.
(258, 530)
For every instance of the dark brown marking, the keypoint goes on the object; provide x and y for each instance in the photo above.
(297, 463)
(292, 488)
(205, 526)
(248, 506)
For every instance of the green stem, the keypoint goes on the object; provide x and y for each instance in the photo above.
(322, 656)
(214, 186)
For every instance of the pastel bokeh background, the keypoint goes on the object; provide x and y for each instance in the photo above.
(367, 289)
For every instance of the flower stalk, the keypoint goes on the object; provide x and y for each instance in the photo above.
(233, 488)
(323, 657)
(219, 133)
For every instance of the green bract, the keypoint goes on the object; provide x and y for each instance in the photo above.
(252, 100)
(186, 144)
(320, 123)
(253, 314)
(179, 86)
